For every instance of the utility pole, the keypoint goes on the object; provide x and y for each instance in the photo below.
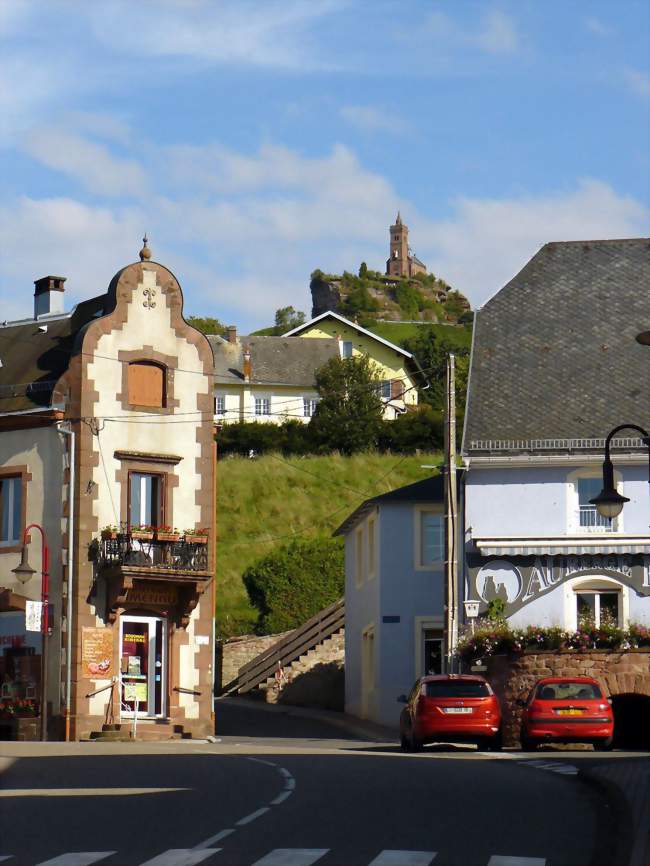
(451, 518)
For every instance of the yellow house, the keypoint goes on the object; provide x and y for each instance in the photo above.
(400, 373)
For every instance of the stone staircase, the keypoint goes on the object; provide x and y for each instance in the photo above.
(145, 732)
(331, 652)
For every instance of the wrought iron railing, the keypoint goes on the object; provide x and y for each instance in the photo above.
(188, 553)
(590, 520)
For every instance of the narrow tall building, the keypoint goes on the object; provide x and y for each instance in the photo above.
(402, 261)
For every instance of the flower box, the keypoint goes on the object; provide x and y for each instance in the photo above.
(109, 534)
(142, 534)
(167, 536)
(196, 539)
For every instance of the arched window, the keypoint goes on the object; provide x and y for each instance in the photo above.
(147, 384)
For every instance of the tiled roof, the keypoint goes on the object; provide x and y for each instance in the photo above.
(33, 359)
(430, 489)
(274, 360)
(554, 353)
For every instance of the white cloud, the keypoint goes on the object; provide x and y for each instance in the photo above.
(498, 34)
(488, 241)
(367, 118)
(595, 25)
(638, 82)
(89, 163)
(273, 33)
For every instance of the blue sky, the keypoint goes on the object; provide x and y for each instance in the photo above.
(256, 140)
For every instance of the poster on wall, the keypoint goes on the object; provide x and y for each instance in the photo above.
(97, 651)
(135, 692)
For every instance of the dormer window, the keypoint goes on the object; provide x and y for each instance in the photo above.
(147, 384)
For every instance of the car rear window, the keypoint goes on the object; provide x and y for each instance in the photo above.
(568, 692)
(456, 689)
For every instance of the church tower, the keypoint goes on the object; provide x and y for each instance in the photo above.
(398, 263)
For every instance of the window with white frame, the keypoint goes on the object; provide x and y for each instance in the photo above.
(372, 547)
(588, 516)
(430, 538)
(384, 389)
(597, 607)
(262, 405)
(309, 406)
(346, 349)
(358, 556)
(220, 404)
(10, 510)
(146, 499)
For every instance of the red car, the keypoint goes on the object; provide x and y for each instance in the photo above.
(450, 708)
(568, 710)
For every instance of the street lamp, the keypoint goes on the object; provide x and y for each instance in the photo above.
(24, 573)
(609, 501)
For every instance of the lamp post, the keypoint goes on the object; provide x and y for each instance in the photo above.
(24, 573)
(609, 501)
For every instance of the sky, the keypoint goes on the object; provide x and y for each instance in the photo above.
(255, 140)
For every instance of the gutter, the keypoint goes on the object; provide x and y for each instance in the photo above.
(68, 616)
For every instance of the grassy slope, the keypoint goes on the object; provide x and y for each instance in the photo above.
(400, 331)
(262, 502)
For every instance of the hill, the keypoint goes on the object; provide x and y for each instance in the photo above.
(264, 502)
(371, 296)
(460, 337)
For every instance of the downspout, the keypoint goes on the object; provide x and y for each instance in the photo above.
(68, 616)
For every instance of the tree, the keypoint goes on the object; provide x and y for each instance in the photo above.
(206, 324)
(431, 351)
(349, 413)
(286, 319)
(295, 581)
(363, 270)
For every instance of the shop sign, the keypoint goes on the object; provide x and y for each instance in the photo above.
(158, 595)
(135, 692)
(97, 651)
(33, 615)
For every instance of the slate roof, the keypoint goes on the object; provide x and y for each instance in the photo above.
(274, 360)
(430, 489)
(33, 360)
(554, 352)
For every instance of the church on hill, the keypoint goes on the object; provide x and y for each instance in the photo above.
(402, 261)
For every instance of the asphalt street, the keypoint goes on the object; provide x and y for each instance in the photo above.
(297, 793)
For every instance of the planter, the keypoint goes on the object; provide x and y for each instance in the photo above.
(108, 535)
(141, 535)
(196, 539)
(167, 536)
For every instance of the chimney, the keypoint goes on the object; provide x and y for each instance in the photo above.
(231, 330)
(248, 369)
(48, 296)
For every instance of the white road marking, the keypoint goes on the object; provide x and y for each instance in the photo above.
(281, 798)
(181, 857)
(503, 860)
(85, 792)
(216, 838)
(553, 767)
(5, 857)
(404, 858)
(252, 817)
(78, 858)
(292, 857)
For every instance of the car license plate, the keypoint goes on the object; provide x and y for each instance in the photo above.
(569, 712)
(457, 710)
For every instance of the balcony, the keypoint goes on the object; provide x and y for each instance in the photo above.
(589, 520)
(137, 550)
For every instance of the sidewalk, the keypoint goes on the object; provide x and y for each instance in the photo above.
(353, 726)
(632, 779)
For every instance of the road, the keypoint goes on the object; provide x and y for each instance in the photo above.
(278, 791)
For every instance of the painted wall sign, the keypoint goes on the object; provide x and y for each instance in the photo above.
(158, 595)
(97, 651)
(520, 580)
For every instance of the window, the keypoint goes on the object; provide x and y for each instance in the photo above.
(10, 510)
(220, 405)
(346, 349)
(589, 518)
(383, 389)
(309, 406)
(147, 384)
(262, 405)
(358, 557)
(456, 689)
(568, 691)
(598, 608)
(432, 651)
(146, 499)
(431, 538)
(372, 553)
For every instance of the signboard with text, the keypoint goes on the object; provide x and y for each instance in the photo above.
(97, 651)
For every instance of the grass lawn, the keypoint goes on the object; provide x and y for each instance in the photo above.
(399, 331)
(264, 502)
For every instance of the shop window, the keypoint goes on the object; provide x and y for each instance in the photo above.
(146, 499)
(430, 538)
(10, 510)
(147, 384)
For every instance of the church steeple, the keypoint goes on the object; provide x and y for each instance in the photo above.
(398, 221)
(402, 262)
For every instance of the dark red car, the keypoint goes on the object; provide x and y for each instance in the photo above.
(450, 708)
(568, 710)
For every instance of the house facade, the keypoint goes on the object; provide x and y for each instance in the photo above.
(394, 597)
(107, 441)
(555, 367)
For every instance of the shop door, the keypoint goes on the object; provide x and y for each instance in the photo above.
(143, 666)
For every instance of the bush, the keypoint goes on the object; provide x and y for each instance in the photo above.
(242, 437)
(418, 430)
(295, 581)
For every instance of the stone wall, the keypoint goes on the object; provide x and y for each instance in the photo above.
(238, 651)
(512, 677)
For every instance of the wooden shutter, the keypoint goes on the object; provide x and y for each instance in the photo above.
(146, 384)
(396, 389)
